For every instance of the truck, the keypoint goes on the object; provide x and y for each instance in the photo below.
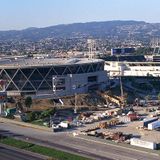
(56, 128)
(149, 120)
(64, 124)
(154, 125)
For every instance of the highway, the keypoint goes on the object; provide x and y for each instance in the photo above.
(65, 142)
(11, 153)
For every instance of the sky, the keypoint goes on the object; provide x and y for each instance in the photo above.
(21, 14)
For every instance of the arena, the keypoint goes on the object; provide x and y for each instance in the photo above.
(62, 77)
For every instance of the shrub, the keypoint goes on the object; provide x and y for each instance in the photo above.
(47, 113)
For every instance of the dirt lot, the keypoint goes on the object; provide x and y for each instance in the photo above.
(131, 128)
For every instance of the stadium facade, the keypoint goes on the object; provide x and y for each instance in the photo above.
(61, 77)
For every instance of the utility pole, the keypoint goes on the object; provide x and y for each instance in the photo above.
(121, 85)
(75, 103)
(54, 91)
(122, 94)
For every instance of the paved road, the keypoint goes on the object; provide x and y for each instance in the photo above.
(10, 153)
(65, 142)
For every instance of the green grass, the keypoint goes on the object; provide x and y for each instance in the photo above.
(16, 143)
(59, 155)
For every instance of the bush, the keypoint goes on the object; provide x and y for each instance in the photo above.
(10, 116)
(36, 115)
(47, 113)
(31, 116)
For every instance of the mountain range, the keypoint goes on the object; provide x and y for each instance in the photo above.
(108, 29)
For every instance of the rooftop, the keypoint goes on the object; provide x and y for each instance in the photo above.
(147, 63)
(27, 62)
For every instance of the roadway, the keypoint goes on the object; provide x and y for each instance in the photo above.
(66, 142)
(11, 153)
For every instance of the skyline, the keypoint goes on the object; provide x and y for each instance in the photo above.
(19, 14)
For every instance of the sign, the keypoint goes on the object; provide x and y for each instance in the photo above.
(3, 96)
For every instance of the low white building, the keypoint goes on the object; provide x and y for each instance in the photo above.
(123, 68)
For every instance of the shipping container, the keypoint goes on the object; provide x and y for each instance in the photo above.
(149, 120)
(154, 125)
(141, 143)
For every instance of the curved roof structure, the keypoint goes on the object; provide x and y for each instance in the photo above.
(37, 62)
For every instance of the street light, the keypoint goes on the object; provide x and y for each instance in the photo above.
(75, 99)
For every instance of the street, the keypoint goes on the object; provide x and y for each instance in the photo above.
(66, 142)
(11, 153)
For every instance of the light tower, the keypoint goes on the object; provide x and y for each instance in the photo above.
(91, 47)
(155, 44)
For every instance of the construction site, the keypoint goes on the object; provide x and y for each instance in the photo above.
(67, 99)
(100, 114)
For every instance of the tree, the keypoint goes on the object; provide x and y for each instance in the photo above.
(28, 102)
(19, 106)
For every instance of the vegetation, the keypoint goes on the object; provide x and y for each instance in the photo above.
(10, 116)
(19, 106)
(47, 113)
(38, 122)
(28, 102)
(60, 155)
(31, 116)
(37, 116)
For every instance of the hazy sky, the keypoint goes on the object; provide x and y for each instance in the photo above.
(19, 14)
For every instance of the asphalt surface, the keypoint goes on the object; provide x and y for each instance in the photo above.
(9, 153)
(64, 141)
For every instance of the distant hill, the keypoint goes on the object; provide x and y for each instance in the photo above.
(108, 29)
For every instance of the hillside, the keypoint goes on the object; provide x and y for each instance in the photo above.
(109, 29)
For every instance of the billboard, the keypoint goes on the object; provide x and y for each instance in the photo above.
(122, 51)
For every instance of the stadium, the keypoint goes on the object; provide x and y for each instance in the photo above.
(62, 77)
